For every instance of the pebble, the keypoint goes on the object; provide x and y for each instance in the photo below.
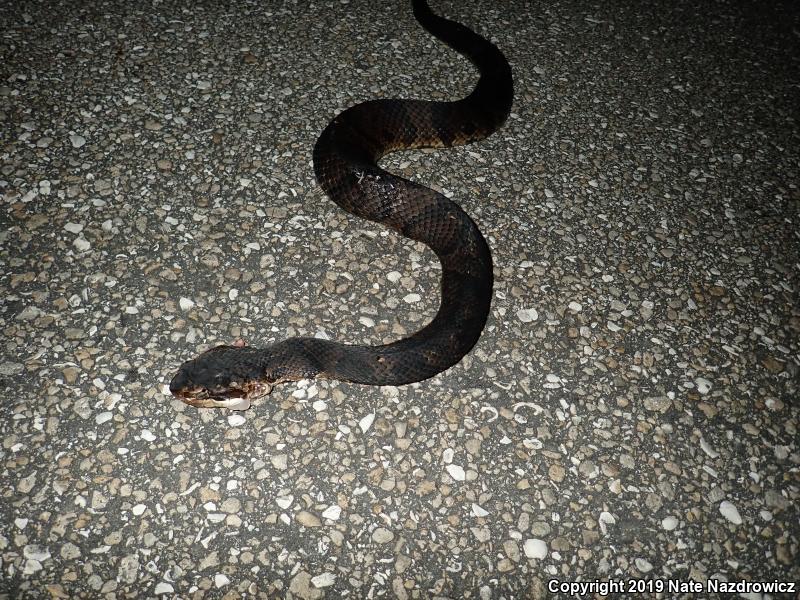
(308, 519)
(730, 512)
(26, 484)
(81, 244)
(535, 548)
(323, 580)
(381, 535)
(11, 368)
(527, 315)
(511, 548)
(556, 473)
(456, 472)
(482, 534)
(236, 420)
(332, 512)
(29, 313)
(302, 587)
(69, 551)
(657, 403)
(709, 451)
(669, 523)
(128, 568)
(31, 566)
(36, 552)
(279, 461)
(284, 501)
(605, 519)
(163, 588)
(504, 565)
(366, 422)
(703, 385)
(643, 565)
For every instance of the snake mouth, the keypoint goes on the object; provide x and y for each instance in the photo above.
(201, 398)
(233, 402)
(234, 398)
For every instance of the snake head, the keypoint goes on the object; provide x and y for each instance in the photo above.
(222, 377)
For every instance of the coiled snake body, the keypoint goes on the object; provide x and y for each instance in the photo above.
(345, 165)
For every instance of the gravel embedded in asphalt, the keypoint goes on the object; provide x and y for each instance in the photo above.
(630, 412)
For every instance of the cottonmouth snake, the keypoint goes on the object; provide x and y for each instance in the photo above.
(345, 165)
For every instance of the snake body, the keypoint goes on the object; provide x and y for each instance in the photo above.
(345, 165)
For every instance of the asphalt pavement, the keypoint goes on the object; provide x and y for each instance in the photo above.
(628, 418)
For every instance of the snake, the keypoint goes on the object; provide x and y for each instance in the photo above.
(345, 160)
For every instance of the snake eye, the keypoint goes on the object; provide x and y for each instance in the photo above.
(178, 382)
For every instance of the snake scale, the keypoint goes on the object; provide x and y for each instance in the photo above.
(345, 165)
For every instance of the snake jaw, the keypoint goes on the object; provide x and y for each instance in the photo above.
(230, 403)
(235, 396)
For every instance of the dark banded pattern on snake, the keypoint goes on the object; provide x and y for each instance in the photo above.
(345, 165)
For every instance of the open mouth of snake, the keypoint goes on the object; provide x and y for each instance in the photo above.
(234, 398)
